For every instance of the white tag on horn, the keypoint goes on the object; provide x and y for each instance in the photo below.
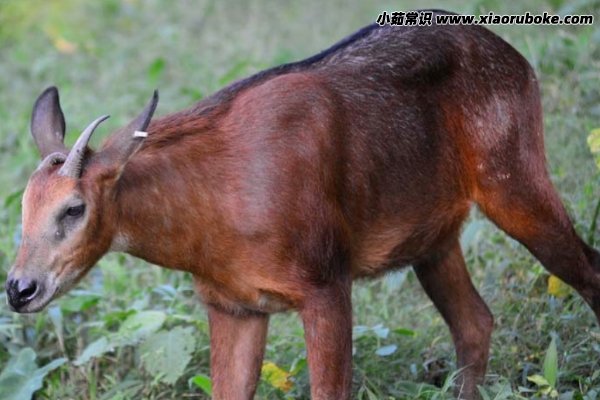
(140, 134)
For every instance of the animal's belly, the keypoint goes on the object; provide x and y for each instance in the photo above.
(240, 300)
(399, 242)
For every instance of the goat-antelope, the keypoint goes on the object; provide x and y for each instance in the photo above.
(279, 190)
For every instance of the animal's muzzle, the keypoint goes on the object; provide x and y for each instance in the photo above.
(21, 292)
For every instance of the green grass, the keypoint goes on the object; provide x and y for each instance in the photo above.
(108, 56)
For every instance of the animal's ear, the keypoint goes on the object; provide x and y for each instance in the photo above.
(123, 143)
(48, 123)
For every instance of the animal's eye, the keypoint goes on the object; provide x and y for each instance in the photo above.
(76, 211)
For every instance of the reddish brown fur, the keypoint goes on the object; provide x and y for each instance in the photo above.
(279, 190)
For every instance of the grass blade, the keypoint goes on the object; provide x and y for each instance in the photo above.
(551, 363)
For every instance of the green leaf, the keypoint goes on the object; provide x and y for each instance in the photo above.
(483, 393)
(21, 377)
(370, 394)
(298, 365)
(551, 363)
(124, 390)
(57, 320)
(386, 350)
(134, 329)
(140, 326)
(167, 353)
(203, 382)
(405, 332)
(538, 380)
(79, 301)
(94, 349)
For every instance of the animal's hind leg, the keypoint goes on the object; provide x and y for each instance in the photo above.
(512, 187)
(446, 280)
(527, 207)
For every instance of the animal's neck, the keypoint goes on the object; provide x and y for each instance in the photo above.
(166, 197)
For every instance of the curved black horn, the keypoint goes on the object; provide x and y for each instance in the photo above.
(141, 122)
(125, 141)
(74, 161)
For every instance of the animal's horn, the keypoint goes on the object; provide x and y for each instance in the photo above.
(74, 161)
(124, 142)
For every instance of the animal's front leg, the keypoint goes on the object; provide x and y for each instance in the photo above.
(327, 319)
(237, 345)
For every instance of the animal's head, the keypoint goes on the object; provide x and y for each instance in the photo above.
(67, 220)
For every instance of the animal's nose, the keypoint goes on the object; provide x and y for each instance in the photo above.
(20, 291)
